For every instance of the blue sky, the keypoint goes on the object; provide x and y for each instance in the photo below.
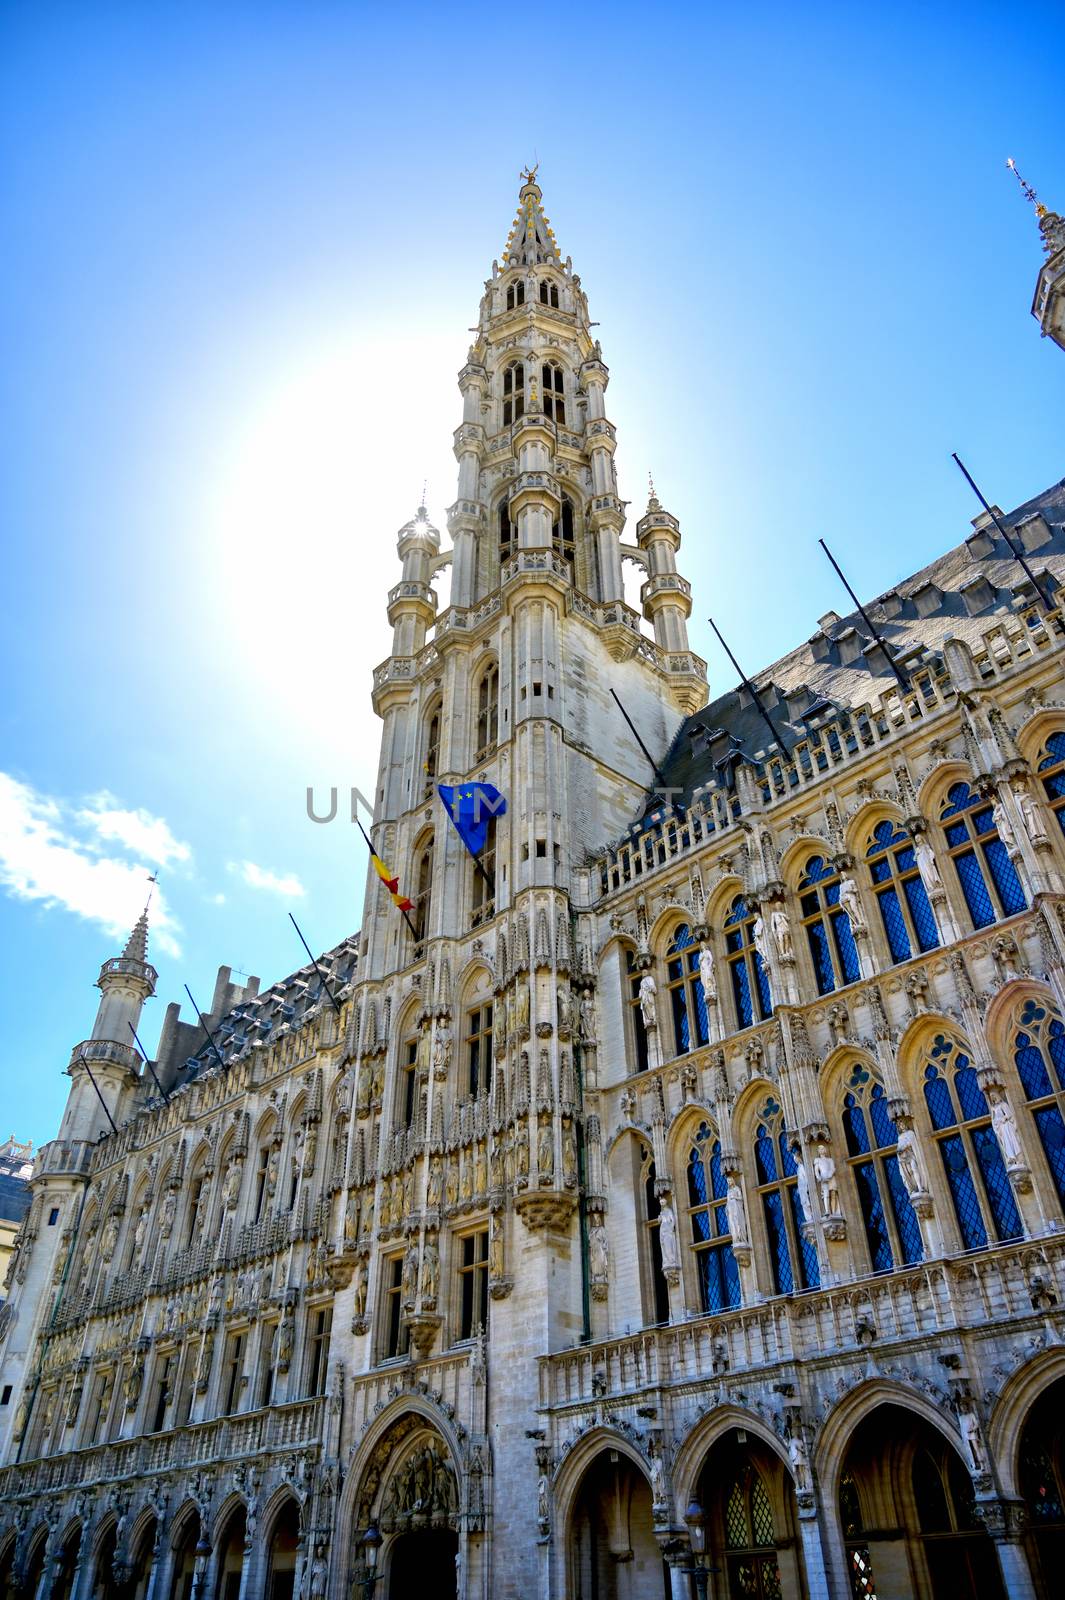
(242, 246)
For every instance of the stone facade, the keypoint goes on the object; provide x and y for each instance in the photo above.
(662, 1206)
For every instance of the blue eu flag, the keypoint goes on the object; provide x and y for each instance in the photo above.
(471, 807)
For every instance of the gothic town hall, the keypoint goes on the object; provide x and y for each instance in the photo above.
(668, 1200)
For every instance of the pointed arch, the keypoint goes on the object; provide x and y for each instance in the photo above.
(693, 1450)
(834, 1433)
(1018, 1396)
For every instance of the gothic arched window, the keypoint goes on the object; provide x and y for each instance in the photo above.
(749, 1537)
(487, 711)
(506, 532)
(633, 975)
(1052, 774)
(828, 928)
(652, 1213)
(548, 294)
(858, 1561)
(554, 392)
(423, 890)
(686, 999)
(514, 392)
(515, 294)
(562, 532)
(1039, 1054)
(750, 980)
(483, 868)
(961, 1126)
(987, 876)
(900, 894)
(792, 1256)
(719, 1278)
(432, 747)
(891, 1228)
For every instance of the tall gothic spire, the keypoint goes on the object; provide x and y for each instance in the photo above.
(531, 240)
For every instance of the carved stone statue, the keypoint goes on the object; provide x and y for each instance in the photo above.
(802, 1181)
(565, 1014)
(827, 1183)
(360, 1292)
(435, 1183)
(319, 1574)
(134, 1380)
(286, 1333)
(140, 1233)
(599, 1252)
(521, 1149)
(587, 1016)
(850, 901)
(351, 1217)
(441, 1052)
(496, 1264)
(649, 1000)
(1032, 814)
(569, 1152)
(735, 1211)
(707, 976)
(1003, 824)
(203, 1370)
(451, 1189)
(522, 1007)
(545, 1151)
(780, 928)
(1005, 1125)
(231, 1187)
(543, 1502)
(169, 1211)
(911, 1166)
(973, 1438)
(667, 1236)
(927, 865)
(658, 1481)
(800, 1463)
(430, 1271)
(409, 1280)
(109, 1238)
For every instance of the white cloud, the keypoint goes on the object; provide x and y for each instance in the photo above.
(46, 856)
(138, 831)
(255, 877)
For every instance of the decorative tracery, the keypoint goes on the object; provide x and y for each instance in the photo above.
(892, 1231)
(961, 1126)
(987, 876)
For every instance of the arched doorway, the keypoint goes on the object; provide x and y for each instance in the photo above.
(1041, 1477)
(229, 1554)
(35, 1564)
(7, 1562)
(282, 1552)
(409, 1490)
(66, 1567)
(185, 1539)
(908, 1513)
(104, 1586)
(142, 1557)
(423, 1564)
(613, 1551)
(752, 1532)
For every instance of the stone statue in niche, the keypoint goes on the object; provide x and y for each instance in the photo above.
(667, 1236)
(927, 865)
(649, 1000)
(850, 901)
(780, 928)
(1005, 1125)
(1032, 815)
(802, 1182)
(599, 1251)
(910, 1164)
(707, 976)
(827, 1182)
(735, 1210)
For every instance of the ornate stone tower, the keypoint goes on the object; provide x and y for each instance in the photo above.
(104, 1067)
(489, 994)
(1048, 303)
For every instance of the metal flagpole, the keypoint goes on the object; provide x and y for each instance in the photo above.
(655, 768)
(749, 686)
(147, 1063)
(206, 1029)
(315, 965)
(1017, 553)
(99, 1096)
(373, 852)
(477, 863)
(866, 618)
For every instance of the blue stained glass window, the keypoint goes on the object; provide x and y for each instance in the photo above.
(904, 907)
(1039, 1055)
(809, 1270)
(906, 1224)
(1052, 767)
(996, 1183)
(822, 957)
(969, 826)
(876, 1230)
(779, 1254)
(970, 1095)
(883, 1127)
(765, 1156)
(1051, 1129)
(750, 981)
(719, 1281)
(828, 929)
(687, 1001)
(845, 947)
(937, 1096)
(966, 1205)
(854, 1128)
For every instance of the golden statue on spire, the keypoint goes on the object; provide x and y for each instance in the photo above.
(528, 174)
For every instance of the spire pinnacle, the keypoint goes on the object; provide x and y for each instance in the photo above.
(137, 943)
(531, 239)
(652, 498)
(1027, 190)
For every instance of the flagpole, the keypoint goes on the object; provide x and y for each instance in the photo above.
(373, 852)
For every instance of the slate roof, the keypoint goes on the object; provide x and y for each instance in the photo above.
(841, 666)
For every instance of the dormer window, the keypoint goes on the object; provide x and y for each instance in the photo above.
(554, 401)
(513, 392)
(548, 293)
(516, 294)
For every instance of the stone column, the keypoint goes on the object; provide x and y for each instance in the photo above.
(818, 1586)
(1006, 1521)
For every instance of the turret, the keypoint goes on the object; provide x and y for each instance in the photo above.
(1048, 304)
(412, 603)
(106, 1065)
